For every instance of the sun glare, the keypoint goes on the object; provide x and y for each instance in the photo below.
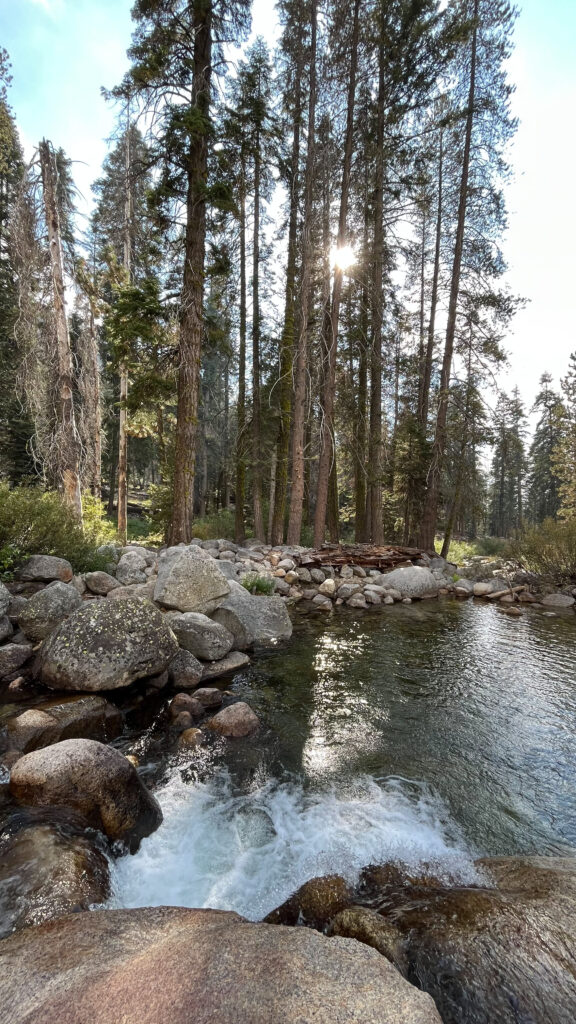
(343, 258)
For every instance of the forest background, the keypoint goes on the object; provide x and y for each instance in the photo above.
(407, 143)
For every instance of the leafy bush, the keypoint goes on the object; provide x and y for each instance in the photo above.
(463, 550)
(548, 549)
(256, 584)
(218, 525)
(37, 522)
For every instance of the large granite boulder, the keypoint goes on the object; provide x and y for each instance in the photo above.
(253, 618)
(171, 964)
(93, 779)
(106, 645)
(558, 601)
(47, 609)
(185, 671)
(235, 721)
(100, 583)
(45, 568)
(486, 954)
(130, 568)
(74, 718)
(189, 580)
(12, 657)
(49, 866)
(413, 581)
(200, 635)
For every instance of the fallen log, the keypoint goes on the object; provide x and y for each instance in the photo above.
(504, 593)
(390, 556)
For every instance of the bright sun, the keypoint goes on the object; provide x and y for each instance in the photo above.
(343, 258)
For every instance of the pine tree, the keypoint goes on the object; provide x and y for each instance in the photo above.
(543, 483)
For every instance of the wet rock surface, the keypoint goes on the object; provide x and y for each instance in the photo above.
(173, 964)
(235, 721)
(77, 718)
(95, 780)
(314, 904)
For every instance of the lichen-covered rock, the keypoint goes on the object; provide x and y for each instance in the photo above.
(235, 721)
(189, 580)
(81, 717)
(100, 583)
(200, 635)
(48, 867)
(45, 568)
(156, 965)
(12, 657)
(93, 779)
(413, 581)
(141, 590)
(252, 618)
(5, 599)
(6, 628)
(106, 645)
(185, 671)
(47, 609)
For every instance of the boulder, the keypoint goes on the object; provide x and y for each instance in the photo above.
(45, 568)
(493, 954)
(100, 582)
(252, 618)
(47, 609)
(185, 671)
(6, 599)
(130, 569)
(106, 645)
(373, 930)
(189, 580)
(328, 587)
(6, 628)
(12, 657)
(141, 590)
(322, 602)
(190, 738)
(314, 904)
(93, 779)
(49, 866)
(200, 635)
(235, 720)
(77, 718)
(413, 581)
(558, 601)
(231, 663)
(209, 696)
(173, 964)
(184, 702)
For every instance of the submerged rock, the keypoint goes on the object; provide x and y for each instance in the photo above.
(231, 663)
(93, 779)
(172, 964)
(49, 866)
(106, 645)
(558, 601)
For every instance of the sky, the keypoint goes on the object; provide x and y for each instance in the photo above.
(64, 51)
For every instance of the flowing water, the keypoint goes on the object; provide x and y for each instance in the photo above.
(427, 735)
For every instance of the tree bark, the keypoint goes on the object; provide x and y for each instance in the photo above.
(301, 363)
(240, 484)
(426, 369)
(123, 416)
(331, 322)
(66, 441)
(256, 401)
(430, 514)
(191, 313)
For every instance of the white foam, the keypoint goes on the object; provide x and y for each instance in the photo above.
(249, 851)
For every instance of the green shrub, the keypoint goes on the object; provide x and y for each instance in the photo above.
(548, 549)
(216, 526)
(256, 584)
(37, 522)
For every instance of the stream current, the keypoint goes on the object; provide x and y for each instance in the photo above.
(428, 735)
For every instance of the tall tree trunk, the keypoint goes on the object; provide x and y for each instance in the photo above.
(225, 495)
(375, 435)
(288, 335)
(191, 313)
(123, 416)
(301, 364)
(360, 431)
(89, 387)
(426, 369)
(430, 514)
(66, 440)
(331, 322)
(240, 484)
(256, 399)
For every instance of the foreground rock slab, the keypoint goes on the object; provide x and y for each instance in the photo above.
(171, 964)
(106, 645)
(93, 779)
